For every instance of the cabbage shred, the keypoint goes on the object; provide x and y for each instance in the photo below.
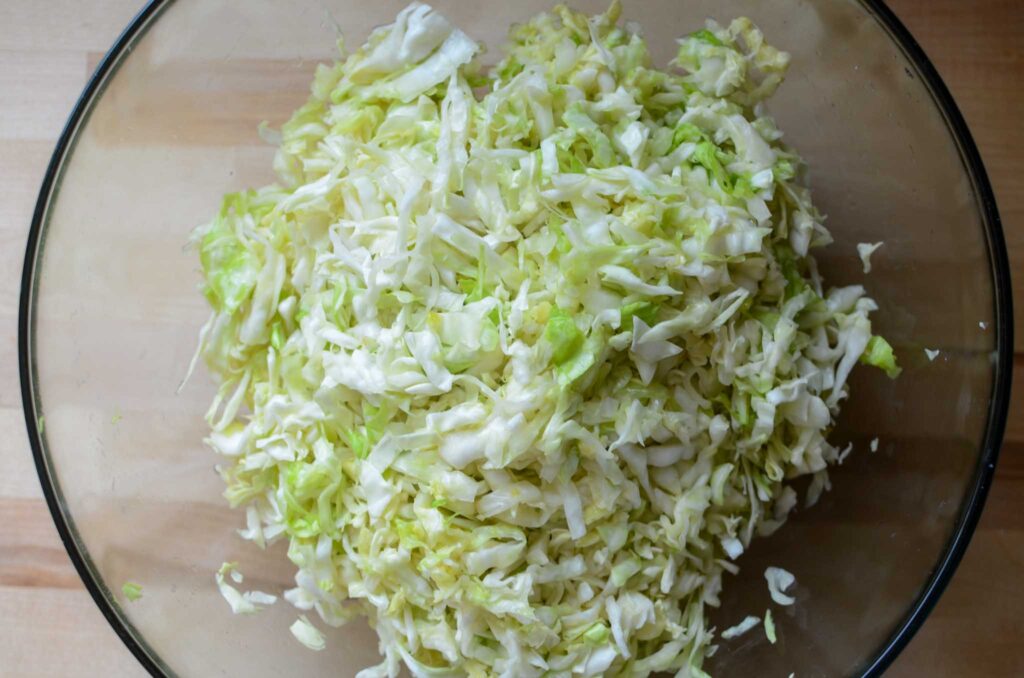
(520, 360)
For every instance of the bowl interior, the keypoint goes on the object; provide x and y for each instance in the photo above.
(114, 314)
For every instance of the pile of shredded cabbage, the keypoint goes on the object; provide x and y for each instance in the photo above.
(520, 360)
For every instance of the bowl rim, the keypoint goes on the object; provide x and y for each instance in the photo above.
(972, 504)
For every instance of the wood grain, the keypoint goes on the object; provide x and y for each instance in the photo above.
(977, 625)
(52, 627)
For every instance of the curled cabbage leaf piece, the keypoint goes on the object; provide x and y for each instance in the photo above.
(778, 581)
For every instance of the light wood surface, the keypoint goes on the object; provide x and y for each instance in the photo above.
(50, 626)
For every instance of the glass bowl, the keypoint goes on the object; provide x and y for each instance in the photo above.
(110, 311)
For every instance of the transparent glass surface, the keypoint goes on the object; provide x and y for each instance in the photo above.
(112, 314)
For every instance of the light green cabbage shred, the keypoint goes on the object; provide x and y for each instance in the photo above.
(769, 627)
(519, 360)
(131, 591)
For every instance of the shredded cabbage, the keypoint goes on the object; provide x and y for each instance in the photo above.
(519, 360)
(769, 627)
(736, 631)
(131, 591)
(864, 251)
(307, 634)
(249, 602)
(778, 581)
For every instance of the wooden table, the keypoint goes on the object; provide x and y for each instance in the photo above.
(51, 626)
